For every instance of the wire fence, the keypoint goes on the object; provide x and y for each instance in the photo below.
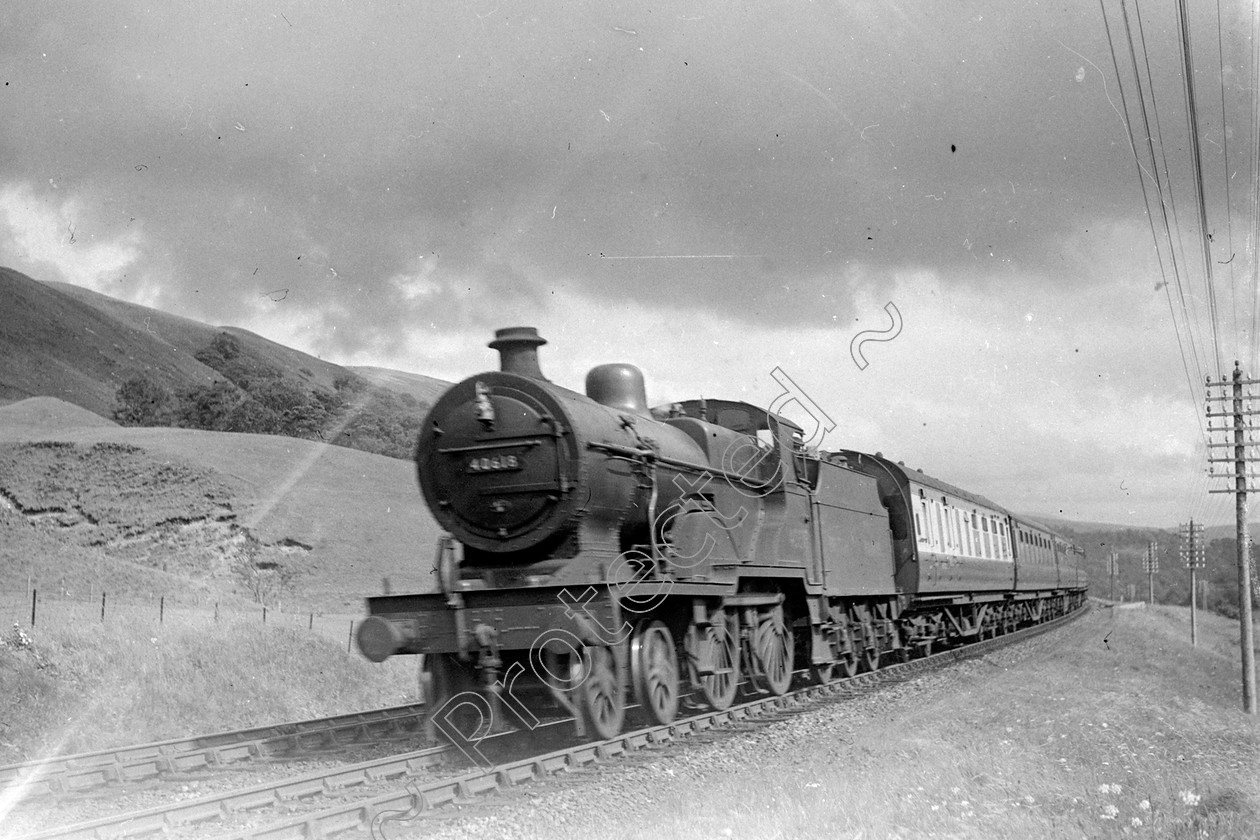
(34, 608)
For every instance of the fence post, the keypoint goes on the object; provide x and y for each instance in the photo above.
(264, 613)
(311, 622)
(161, 608)
(350, 637)
(216, 612)
(102, 607)
(34, 599)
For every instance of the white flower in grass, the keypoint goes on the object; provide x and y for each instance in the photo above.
(1109, 812)
(1189, 798)
(1135, 822)
(1116, 789)
(1145, 804)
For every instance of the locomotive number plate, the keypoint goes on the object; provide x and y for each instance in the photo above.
(495, 463)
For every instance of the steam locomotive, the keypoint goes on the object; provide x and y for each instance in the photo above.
(604, 556)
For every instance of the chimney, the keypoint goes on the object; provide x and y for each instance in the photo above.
(518, 351)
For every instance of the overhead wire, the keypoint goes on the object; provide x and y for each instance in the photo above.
(1253, 180)
(1183, 312)
(1168, 203)
(1229, 204)
(1196, 154)
(1162, 203)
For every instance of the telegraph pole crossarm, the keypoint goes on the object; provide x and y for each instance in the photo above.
(1192, 552)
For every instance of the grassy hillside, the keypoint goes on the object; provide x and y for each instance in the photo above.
(189, 336)
(425, 389)
(177, 512)
(145, 367)
(55, 344)
(70, 688)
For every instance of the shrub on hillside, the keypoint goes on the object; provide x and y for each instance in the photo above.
(214, 407)
(380, 421)
(257, 397)
(141, 401)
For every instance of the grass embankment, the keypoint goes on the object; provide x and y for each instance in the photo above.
(67, 689)
(1112, 727)
(147, 512)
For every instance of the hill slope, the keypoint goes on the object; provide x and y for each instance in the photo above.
(425, 389)
(145, 367)
(188, 336)
(182, 512)
(55, 344)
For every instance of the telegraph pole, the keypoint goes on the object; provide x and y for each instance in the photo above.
(1240, 444)
(1193, 553)
(1113, 570)
(1150, 565)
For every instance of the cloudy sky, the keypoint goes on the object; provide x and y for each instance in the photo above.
(710, 190)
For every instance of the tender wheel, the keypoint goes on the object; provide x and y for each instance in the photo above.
(715, 649)
(774, 647)
(601, 697)
(989, 626)
(654, 666)
(1012, 619)
(870, 659)
(822, 674)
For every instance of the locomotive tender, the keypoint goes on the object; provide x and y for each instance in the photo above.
(601, 553)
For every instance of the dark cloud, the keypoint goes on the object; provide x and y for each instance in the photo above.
(743, 160)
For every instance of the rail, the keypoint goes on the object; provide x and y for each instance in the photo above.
(410, 803)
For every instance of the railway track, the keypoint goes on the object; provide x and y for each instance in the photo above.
(142, 762)
(422, 794)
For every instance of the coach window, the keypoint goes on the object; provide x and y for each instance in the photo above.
(929, 530)
(938, 533)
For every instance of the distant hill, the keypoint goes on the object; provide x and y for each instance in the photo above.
(63, 341)
(56, 344)
(184, 335)
(426, 389)
(1056, 523)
